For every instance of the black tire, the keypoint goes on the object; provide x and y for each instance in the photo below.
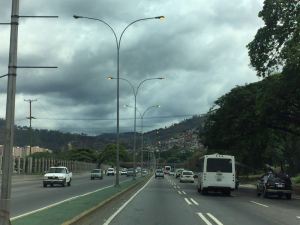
(279, 195)
(204, 192)
(44, 185)
(51, 185)
(69, 183)
(288, 196)
(265, 194)
(64, 183)
(199, 190)
(227, 192)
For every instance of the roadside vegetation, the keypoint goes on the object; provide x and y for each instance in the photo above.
(259, 122)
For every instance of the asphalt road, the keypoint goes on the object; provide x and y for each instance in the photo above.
(168, 202)
(30, 195)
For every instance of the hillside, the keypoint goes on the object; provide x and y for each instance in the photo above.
(57, 140)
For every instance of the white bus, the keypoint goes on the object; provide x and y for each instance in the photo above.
(217, 173)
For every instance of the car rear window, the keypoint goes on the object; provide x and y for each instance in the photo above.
(187, 173)
(95, 171)
(222, 165)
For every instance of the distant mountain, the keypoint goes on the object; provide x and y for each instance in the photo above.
(57, 140)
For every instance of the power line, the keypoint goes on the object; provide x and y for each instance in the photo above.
(113, 119)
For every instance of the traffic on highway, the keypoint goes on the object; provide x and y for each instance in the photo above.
(144, 112)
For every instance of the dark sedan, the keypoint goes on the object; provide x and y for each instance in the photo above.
(274, 184)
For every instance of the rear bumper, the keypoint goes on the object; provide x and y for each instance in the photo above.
(216, 188)
(279, 191)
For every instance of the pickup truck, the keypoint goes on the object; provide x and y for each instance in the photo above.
(57, 175)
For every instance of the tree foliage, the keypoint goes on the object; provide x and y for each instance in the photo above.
(276, 46)
(258, 123)
(108, 155)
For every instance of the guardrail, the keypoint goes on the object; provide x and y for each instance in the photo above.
(30, 165)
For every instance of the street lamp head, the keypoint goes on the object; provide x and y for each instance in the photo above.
(76, 17)
(160, 17)
(110, 78)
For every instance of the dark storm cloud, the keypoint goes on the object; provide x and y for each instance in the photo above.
(199, 48)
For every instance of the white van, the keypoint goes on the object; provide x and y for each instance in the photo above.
(217, 173)
(167, 170)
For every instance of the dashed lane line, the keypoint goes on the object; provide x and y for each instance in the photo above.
(187, 201)
(125, 204)
(214, 219)
(184, 192)
(196, 203)
(298, 217)
(179, 192)
(257, 203)
(204, 218)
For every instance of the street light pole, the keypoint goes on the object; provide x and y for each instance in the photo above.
(142, 130)
(118, 45)
(135, 93)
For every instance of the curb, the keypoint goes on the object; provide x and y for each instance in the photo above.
(101, 204)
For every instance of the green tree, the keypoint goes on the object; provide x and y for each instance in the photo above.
(108, 155)
(277, 44)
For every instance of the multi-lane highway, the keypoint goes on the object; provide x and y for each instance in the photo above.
(166, 201)
(29, 195)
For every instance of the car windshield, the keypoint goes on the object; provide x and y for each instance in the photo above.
(199, 99)
(57, 170)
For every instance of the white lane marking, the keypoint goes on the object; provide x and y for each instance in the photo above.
(214, 219)
(204, 219)
(57, 203)
(187, 201)
(125, 204)
(174, 187)
(298, 217)
(196, 203)
(178, 187)
(184, 192)
(259, 204)
(179, 192)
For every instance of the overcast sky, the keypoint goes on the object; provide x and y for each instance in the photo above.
(200, 48)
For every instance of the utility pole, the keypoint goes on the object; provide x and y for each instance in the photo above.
(5, 200)
(7, 169)
(30, 118)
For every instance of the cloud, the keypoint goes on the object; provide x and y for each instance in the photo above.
(199, 48)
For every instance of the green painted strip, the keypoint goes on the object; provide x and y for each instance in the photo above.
(66, 211)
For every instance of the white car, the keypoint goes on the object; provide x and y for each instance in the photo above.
(110, 172)
(123, 171)
(57, 175)
(187, 176)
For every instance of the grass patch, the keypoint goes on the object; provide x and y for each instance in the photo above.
(68, 210)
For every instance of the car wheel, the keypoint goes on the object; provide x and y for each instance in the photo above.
(44, 185)
(69, 183)
(199, 190)
(204, 192)
(266, 194)
(64, 183)
(92, 178)
(280, 195)
(51, 185)
(288, 196)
